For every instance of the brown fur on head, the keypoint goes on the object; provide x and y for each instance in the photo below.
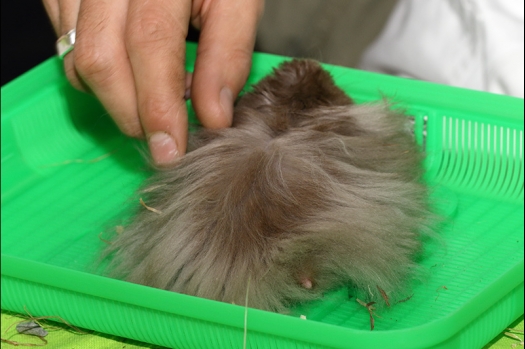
(306, 192)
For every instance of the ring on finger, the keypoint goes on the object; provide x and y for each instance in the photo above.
(66, 43)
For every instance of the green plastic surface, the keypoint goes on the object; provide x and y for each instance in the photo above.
(68, 174)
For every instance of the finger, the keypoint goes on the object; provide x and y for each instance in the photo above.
(68, 14)
(223, 63)
(156, 33)
(101, 60)
(68, 20)
(53, 12)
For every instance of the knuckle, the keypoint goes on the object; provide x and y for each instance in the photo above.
(241, 54)
(94, 63)
(240, 57)
(155, 110)
(131, 129)
(152, 27)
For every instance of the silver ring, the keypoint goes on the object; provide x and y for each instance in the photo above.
(65, 43)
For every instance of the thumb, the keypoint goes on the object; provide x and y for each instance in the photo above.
(228, 30)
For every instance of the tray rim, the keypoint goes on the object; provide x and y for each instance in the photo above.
(85, 284)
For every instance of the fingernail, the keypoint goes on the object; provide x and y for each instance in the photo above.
(163, 148)
(226, 98)
(188, 81)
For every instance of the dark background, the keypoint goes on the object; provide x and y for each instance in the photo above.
(28, 38)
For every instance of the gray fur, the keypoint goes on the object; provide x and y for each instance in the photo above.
(305, 185)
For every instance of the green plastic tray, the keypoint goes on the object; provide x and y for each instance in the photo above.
(68, 174)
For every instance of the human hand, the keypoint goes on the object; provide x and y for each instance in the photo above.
(131, 53)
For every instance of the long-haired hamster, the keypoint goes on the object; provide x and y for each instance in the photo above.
(306, 192)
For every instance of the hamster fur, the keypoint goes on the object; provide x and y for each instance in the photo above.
(306, 192)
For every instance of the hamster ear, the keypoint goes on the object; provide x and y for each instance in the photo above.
(304, 84)
(300, 84)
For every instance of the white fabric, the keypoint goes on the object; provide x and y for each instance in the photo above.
(475, 44)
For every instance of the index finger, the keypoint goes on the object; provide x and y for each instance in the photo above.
(155, 40)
